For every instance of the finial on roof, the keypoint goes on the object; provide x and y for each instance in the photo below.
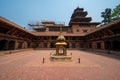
(60, 29)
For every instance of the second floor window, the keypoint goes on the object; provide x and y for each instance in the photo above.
(77, 30)
(85, 30)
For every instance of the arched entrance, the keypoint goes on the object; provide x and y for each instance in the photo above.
(20, 44)
(11, 45)
(52, 45)
(107, 45)
(28, 44)
(90, 45)
(116, 45)
(98, 45)
(3, 45)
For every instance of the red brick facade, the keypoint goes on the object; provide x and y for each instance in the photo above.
(81, 33)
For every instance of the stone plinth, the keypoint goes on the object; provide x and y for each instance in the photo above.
(61, 58)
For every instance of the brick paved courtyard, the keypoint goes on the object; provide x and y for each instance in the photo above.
(28, 65)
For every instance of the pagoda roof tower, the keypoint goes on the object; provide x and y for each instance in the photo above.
(79, 16)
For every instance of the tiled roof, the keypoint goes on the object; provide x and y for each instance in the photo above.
(14, 25)
(105, 26)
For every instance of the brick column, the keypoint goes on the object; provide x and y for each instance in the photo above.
(41, 44)
(70, 45)
(47, 29)
(94, 45)
(102, 45)
(48, 45)
(77, 45)
(23, 45)
(16, 45)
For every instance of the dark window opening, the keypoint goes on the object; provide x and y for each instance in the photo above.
(85, 30)
(11, 45)
(116, 45)
(52, 45)
(58, 29)
(3, 45)
(45, 45)
(98, 45)
(90, 45)
(73, 45)
(28, 45)
(3, 30)
(81, 45)
(84, 25)
(20, 45)
(77, 30)
(107, 45)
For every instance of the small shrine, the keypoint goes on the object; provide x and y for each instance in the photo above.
(61, 49)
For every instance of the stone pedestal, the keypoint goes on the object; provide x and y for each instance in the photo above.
(61, 58)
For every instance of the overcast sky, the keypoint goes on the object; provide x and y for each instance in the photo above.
(23, 12)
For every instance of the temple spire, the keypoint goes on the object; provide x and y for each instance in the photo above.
(60, 29)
